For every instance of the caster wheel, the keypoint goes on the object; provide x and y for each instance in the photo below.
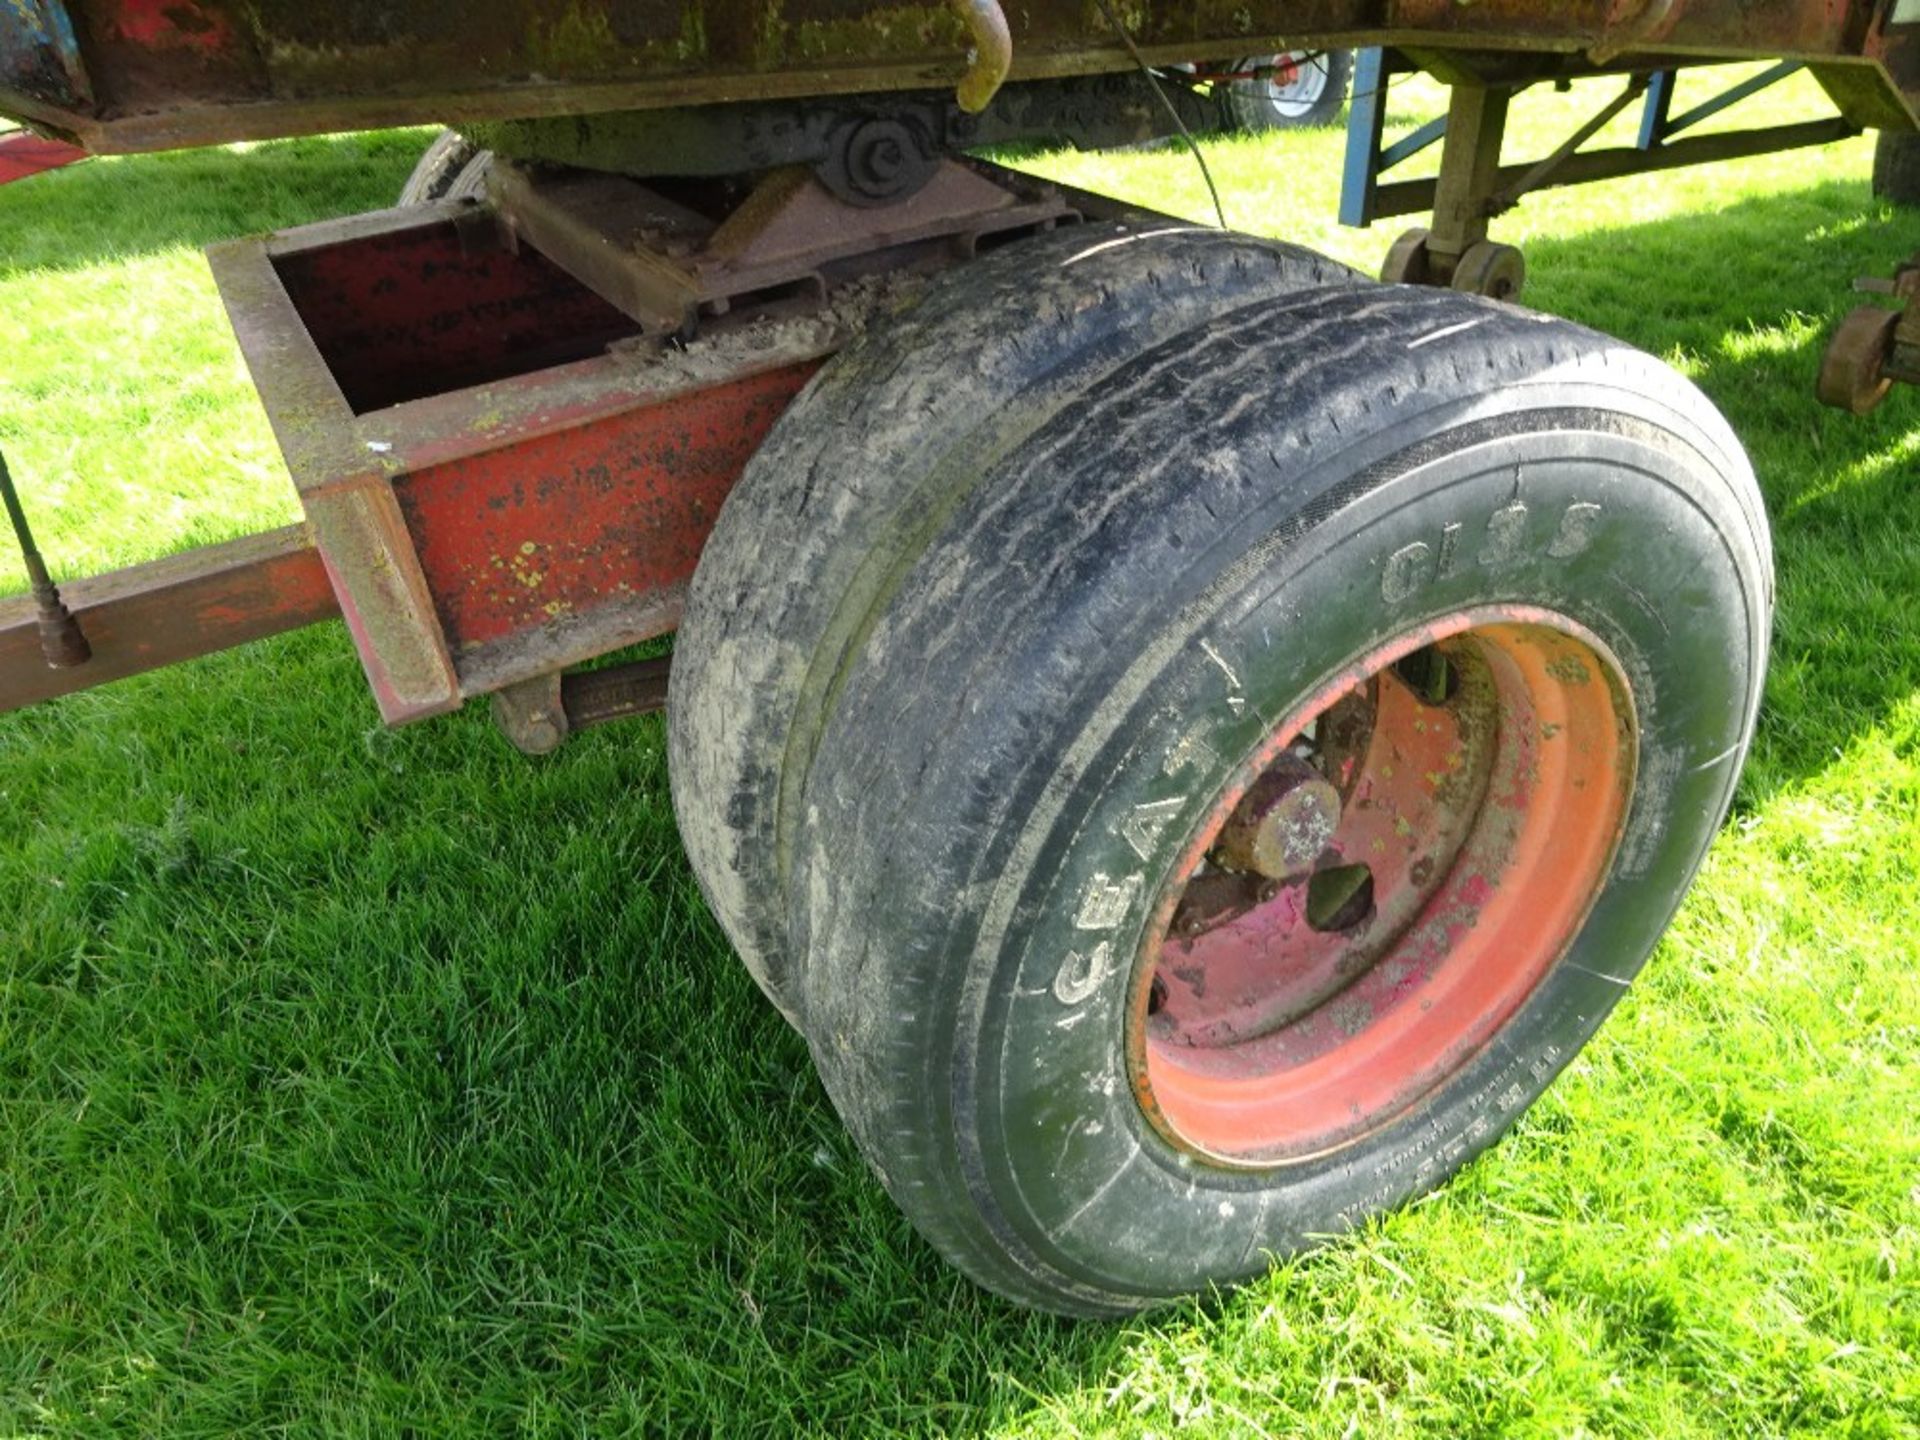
(1498, 272)
(1407, 261)
(1850, 372)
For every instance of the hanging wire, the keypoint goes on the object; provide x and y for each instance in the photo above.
(1153, 82)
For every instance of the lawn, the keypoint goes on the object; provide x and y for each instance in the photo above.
(368, 1083)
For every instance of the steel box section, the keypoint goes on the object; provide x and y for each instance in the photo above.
(497, 486)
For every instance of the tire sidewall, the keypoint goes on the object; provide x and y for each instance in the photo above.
(451, 168)
(1064, 1159)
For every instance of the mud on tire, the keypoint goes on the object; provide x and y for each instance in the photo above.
(1114, 613)
(854, 482)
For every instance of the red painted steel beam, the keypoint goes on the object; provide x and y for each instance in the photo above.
(579, 538)
(345, 486)
(25, 154)
(179, 608)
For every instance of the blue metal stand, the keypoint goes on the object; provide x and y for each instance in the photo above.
(1364, 199)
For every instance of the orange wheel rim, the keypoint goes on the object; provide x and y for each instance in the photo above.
(1479, 772)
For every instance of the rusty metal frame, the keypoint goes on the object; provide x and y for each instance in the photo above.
(129, 74)
(532, 508)
(504, 475)
(344, 488)
(381, 487)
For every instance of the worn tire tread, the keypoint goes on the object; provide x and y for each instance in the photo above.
(842, 496)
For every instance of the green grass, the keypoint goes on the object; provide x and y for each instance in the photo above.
(357, 1082)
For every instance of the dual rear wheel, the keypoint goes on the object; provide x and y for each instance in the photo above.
(1196, 741)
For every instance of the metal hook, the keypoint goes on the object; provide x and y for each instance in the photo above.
(991, 57)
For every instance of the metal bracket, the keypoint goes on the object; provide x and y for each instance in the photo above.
(538, 715)
(532, 714)
(668, 265)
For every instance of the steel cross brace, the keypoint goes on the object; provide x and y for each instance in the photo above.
(1470, 172)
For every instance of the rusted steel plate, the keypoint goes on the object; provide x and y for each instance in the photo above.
(664, 265)
(166, 73)
(581, 540)
(176, 609)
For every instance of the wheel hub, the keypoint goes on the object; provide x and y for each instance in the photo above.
(1405, 858)
(1297, 83)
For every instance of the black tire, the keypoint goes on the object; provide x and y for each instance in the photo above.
(1103, 624)
(451, 168)
(1896, 167)
(836, 504)
(1313, 98)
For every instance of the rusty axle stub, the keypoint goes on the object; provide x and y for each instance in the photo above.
(1282, 824)
(538, 715)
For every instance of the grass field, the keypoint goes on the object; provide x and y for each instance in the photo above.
(369, 1083)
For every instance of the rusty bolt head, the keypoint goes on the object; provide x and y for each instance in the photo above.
(1283, 823)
